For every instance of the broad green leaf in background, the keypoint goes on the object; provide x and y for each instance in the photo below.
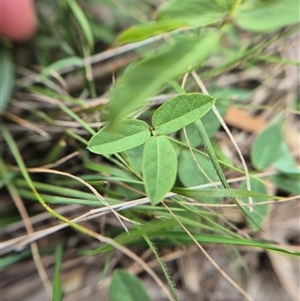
(159, 167)
(144, 31)
(287, 182)
(285, 162)
(131, 133)
(195, 12)
(134, 157)
(6, 77)
(260, 212)
(222, 157)
(126, 287)
(144, 78)
(267, 15)
(266, 146)
(189, 173)
(83, 22)
(180, 111)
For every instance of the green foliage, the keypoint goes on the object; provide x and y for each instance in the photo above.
(193, 173)
(57, 288)
(181, 111)
(131, 133)
(8, 260)
(83, 22)
(64, 63)
(210, 122)
(161, 263)
(136, 157)
(257, 213)
(170, 237)
(159, 167)
(6, 77)
(285, 161)
(268, 15)
(266, 146)
(287, 182)
(143, 31)
(159, 160)
(216, 165)
(126, 287)
(195, 12)
(149, 75)
(219, 193)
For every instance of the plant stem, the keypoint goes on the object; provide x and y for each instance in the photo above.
(234, 8)
(212, 155)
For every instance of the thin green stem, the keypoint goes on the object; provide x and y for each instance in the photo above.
(162, 265)
(234, 9)
(212, 155)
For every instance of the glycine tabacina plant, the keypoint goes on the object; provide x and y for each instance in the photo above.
(159, 163)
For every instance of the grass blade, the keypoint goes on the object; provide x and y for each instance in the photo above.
(83, 22)
(57, 289)
(217, 167)
(6, 77)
